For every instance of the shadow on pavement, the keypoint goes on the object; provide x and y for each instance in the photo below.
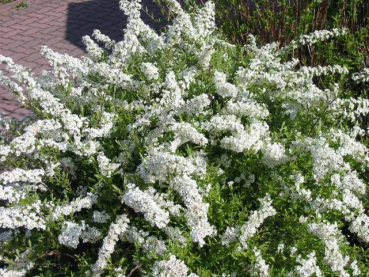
(105, 15)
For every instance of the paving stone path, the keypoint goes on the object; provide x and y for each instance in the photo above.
(59, 24)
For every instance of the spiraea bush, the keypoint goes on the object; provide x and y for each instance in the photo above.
(181, 154)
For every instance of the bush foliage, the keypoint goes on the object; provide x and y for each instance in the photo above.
(181, 154)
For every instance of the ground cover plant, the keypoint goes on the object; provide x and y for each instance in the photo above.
(5, 1)
(181, 154)
(23, 4)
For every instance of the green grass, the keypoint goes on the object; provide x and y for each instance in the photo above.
(5, 1)
(24, 4)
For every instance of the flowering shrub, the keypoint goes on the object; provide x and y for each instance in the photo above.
(183, 155)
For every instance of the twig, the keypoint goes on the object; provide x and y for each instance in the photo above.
(134, 269)
(55, 252)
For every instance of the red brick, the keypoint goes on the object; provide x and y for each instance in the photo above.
(12, 45)
(22, 111)
(41, 36)
(35, 42)
(9, 107)
(42, 61)
(50, 30)
(20, 37)
(38, 70)
(10, 23)
(44, 10)
(29, 65)
(17, 116)
(46, 20)
(63, 51)
(67, 46)
(29, 21)
(20, 27)
(33, 57)
(37, 25)
(21, 49)
(6, 96)
(5, 29)
(18, 56)
(5, 113)
(54, 40)
(12, 33)
(61, 23)
(30, 31)
(5, 40)
(38, 15)
(77, 52)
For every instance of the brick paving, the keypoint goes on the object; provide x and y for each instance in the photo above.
(59, 24)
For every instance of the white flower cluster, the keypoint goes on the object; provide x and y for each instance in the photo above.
(115, 230)
(159, 166)
(260, 268)
(331, 237)
(106, 126)
(143, 202)
(72, 232)
(29, 217)
(12, 273)
(20, 267)
(250, 228)
(223, 88)
(171, 267)
(184, 133)
(351, 108)
(274, 154)
(255, 220)
(246, 107)
(307, 267)
(196, 213)
(18, 182)
(21, 175)
(360, 226)
(151, 71)
(76, 205)
(242, 139)
(150, 244)
(100, 217)
(106, 167)
(319, 35)
(361, 77)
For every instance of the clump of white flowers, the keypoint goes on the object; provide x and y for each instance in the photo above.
(249, 229)
(307, 267)
(180, 154)
(142, 202)
(171, 267)
(260, 268)
(361, 77)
